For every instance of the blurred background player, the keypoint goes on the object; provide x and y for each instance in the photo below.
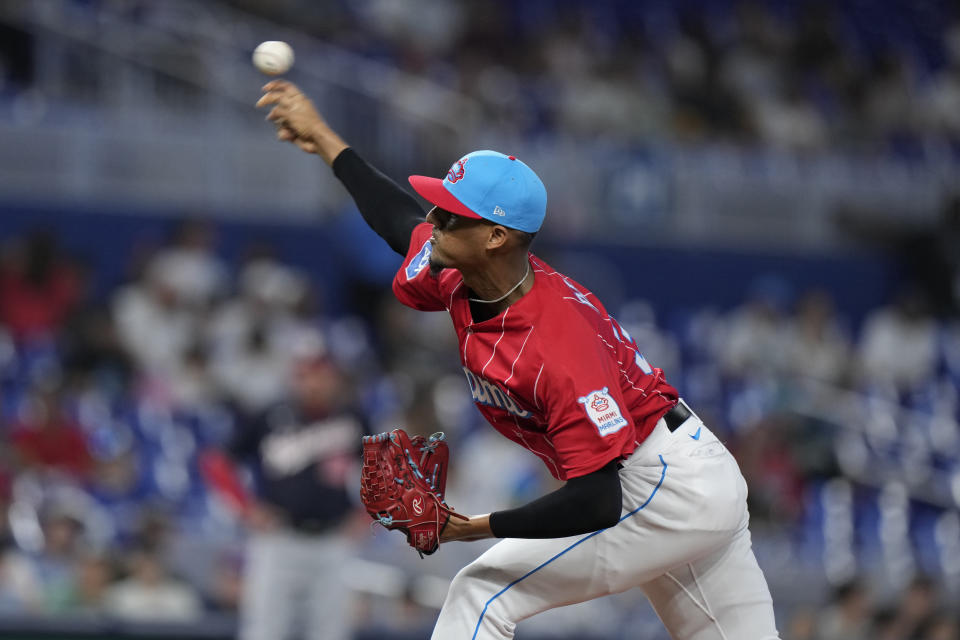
(305, 452)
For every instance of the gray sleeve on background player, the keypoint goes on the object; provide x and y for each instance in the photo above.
(387, 208)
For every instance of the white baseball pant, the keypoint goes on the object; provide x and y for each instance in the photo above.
(682, 539)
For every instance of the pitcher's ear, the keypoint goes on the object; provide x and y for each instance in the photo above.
(497, 237)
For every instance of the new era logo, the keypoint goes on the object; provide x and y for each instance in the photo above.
(497, 211)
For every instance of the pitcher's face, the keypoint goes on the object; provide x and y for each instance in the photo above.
(457, 241)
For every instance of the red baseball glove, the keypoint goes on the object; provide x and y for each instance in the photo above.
(402, 484)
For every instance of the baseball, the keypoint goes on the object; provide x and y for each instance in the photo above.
(273, 57)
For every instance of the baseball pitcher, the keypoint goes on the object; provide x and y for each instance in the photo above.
(652, 499)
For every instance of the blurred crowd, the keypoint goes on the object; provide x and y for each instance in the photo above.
(109, 400)
(917, 612)
(796, 75)
(112, 400)
(804, 75)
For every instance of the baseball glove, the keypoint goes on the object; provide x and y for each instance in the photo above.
(402, 484)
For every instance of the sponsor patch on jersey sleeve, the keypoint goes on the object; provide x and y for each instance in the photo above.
(603, 411)
(420, 261)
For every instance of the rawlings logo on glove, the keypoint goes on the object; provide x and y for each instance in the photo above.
(402, 484)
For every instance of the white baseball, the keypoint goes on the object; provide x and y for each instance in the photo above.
(273, 57)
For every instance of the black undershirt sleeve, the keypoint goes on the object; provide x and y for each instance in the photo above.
(582, 505)
(387, 208)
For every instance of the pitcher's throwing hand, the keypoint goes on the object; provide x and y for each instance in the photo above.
(298, 121)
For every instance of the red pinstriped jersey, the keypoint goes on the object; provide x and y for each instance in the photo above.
(553, 372)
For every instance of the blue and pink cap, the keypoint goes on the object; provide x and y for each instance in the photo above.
(489, 185)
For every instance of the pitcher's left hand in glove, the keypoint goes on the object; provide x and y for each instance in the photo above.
(402, 484)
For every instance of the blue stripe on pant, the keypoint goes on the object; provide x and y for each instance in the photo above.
(663, 474)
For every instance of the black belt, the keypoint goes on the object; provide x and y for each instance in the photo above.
(677, 416)
(674, 418)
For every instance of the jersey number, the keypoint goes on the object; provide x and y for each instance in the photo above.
(618, 331)
(629, 341)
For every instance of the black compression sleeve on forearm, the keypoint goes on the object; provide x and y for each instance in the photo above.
(582, 505)
(388, 209)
